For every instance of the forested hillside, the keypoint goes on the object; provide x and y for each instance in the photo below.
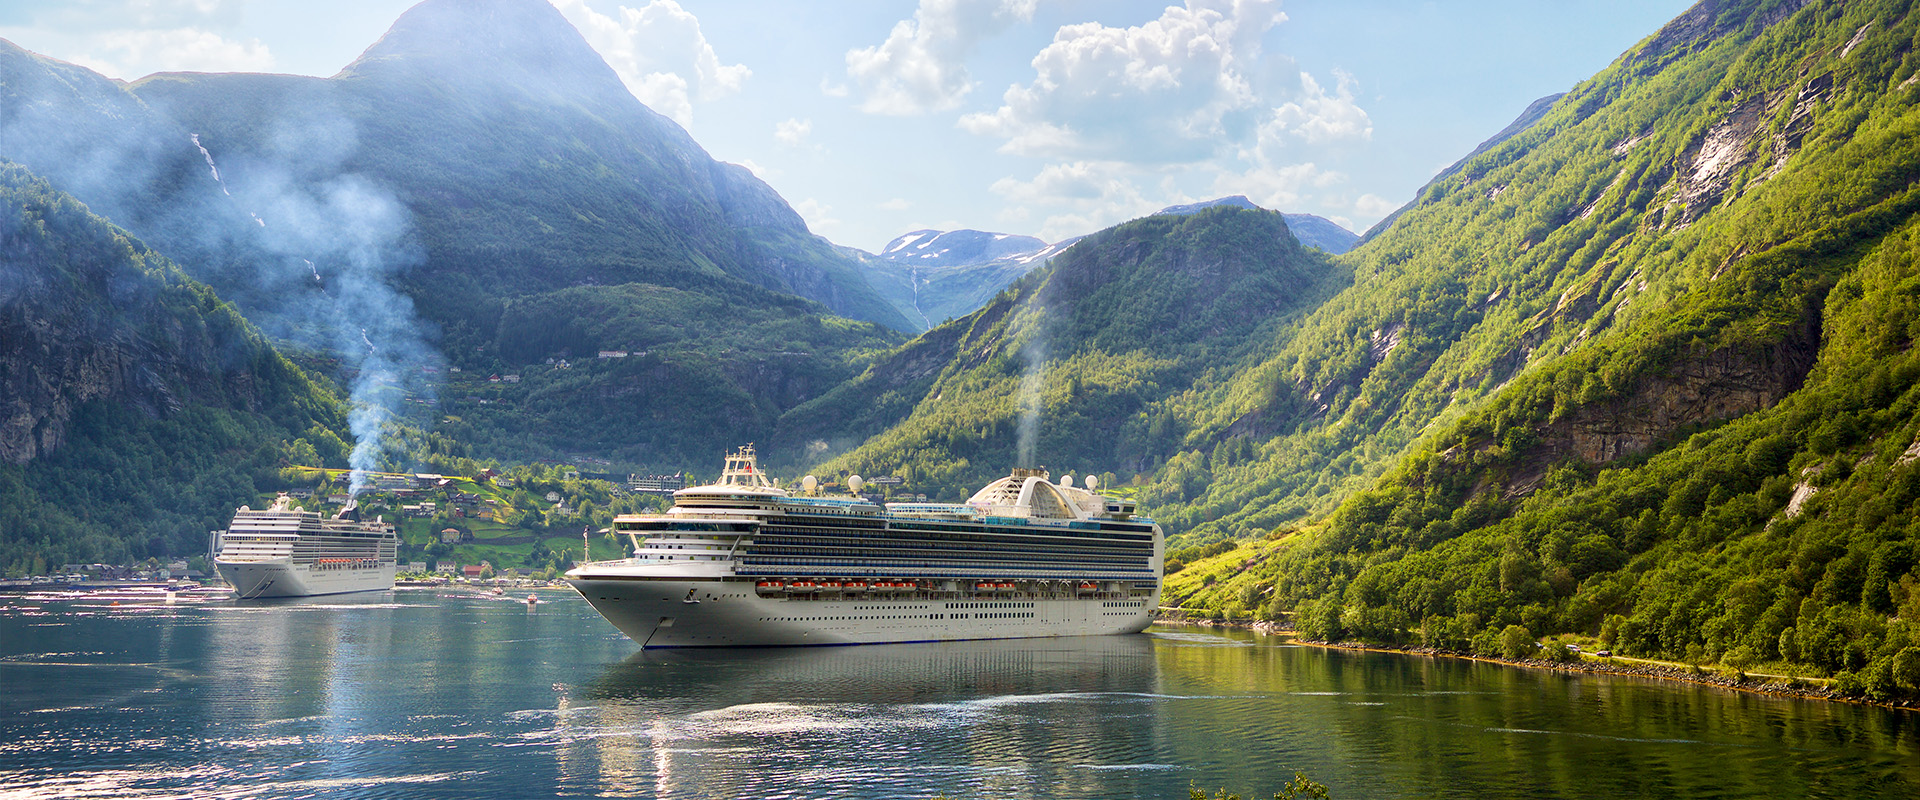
(137, 409)
(1073, 366)
(488, 175)
(1647, 375)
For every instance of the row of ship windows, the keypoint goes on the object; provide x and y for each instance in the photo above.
(863, 617)
(843, 564)
(989, 605)
(1104, 532)
(965, 535)
(941, 558)
(986, 615)
(775, 540)
(876, 548)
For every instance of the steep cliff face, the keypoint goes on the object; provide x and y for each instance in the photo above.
(87, 314)
(137, 409)
(1721, 385)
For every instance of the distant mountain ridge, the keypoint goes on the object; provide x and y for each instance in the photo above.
(961, 248)
(1311, 230)
(932, 275)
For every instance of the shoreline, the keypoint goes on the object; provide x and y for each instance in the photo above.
(1586, 664)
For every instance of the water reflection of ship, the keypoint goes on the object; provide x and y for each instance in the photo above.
(772, 715)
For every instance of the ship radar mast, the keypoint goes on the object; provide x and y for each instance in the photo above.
(743, 470)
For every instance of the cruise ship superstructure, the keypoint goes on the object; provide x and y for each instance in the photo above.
(745, 563)
(283, 551)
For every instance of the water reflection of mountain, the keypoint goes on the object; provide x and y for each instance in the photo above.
(994, 717)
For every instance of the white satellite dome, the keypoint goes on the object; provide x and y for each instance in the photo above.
(809, 484)
(1093, 482)
(854, 483)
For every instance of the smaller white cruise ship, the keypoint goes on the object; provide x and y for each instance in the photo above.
(745, 563)
(286, 552)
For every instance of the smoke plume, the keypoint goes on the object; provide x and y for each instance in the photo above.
(334, 243)
(1032, 382)
(271, 212)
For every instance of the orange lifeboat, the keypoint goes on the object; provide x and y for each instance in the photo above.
(854, 586)
(803, 587)
(770, 587)
(1089, 587)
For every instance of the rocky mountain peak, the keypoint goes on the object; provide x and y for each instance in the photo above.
(525, 44)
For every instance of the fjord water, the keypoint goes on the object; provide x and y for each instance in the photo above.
(429, 694)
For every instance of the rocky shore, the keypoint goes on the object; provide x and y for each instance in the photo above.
(1588, 664)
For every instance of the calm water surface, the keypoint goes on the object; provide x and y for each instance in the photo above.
(426, 694)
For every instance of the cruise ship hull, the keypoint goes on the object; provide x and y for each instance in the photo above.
(256, 580)
(709, 612)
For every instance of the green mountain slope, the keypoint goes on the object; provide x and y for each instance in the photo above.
(1071, 366)
(1651, 377)
(525, 163)
(477, 164)
(137, 409)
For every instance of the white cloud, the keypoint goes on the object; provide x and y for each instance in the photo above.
(896, 204)
(819, 216)
(661, 54)
(921, 67)
(1373, 205)
(1130, 119)
(793, 131)
(1173, 90)
(1282, 187)
(133, 53)
(1083, 196)
(1318, 118)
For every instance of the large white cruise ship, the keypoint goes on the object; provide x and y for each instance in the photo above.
(285, 552)
(744, 563)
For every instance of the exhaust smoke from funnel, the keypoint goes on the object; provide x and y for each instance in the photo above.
(1032, 382)
(358, 233)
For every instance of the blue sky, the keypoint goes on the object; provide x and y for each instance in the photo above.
(1050, 118)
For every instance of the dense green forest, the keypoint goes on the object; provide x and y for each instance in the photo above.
(141, 408)
(1089, 350)
(1655, 381)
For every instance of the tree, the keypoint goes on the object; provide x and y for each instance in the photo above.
(1516, 642)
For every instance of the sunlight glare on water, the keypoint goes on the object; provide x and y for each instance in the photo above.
(421, 693)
